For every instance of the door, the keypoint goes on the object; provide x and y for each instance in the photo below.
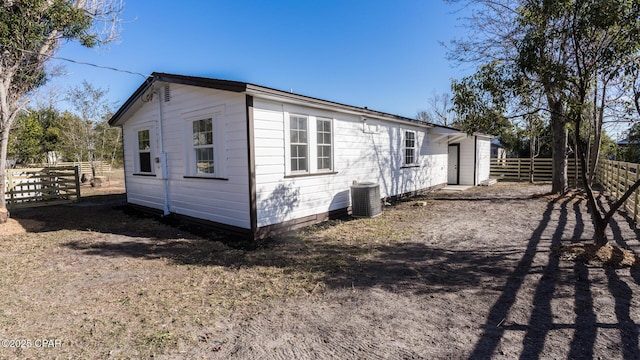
(453, 173)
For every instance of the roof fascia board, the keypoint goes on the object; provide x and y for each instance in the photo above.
(115, 119)
(228, 85)
(262, 92)
(278, 95)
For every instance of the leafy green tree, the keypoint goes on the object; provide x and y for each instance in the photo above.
(27, 145)
(31, 31)
(574, 51)
(479, 101)
(500, 35)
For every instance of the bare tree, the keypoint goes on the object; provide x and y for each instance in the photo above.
(439, 110)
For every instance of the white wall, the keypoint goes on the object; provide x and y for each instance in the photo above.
(484, 158)
(358, 156)
(223, 201)
(467, 161)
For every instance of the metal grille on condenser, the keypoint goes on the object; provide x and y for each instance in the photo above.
(365, 200)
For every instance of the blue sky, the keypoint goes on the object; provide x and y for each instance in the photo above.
(385, 55)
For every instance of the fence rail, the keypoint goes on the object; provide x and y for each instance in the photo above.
(85, 166)
(27, 187)
(616, 177)
(517, 169)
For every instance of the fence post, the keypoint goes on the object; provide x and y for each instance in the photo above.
(519, 165)
(626, 183)
(77, 175)
(635, 201)
(10, 186)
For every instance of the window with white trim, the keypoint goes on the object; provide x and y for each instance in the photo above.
(324, 144)
(205, 152)
(299, 143)
(309, 144)
(410, 148)
(203, 147)
(143, 163)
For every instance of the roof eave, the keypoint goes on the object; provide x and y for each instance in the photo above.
(234, 86)
(115, 119)
(274, 94)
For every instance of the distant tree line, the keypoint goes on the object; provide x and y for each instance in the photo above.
(46, 134)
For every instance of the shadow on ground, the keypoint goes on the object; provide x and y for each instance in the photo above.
(411, 267)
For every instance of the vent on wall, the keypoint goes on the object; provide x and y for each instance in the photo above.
(365, 200)
(167, 93)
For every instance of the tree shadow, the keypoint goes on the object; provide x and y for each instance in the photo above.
(405, 267)
(492, 329)
(622, 293)
(541, 322)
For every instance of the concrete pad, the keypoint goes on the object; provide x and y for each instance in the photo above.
(456, 187)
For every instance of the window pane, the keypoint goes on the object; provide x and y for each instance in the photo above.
(204, 160)
(409, 156)
(298, 157)
(410, 139)
(302, 136)
(324, 157)
(203, 132)
(145, 162)
(143, 140)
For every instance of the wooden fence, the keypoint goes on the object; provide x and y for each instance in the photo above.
(27, 187)
(616, 177)
(85, 166)
(517, 169)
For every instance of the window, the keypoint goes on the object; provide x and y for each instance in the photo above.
(323, 129)
(309, 145)
(205, 153)
(299, 143)
(410, 148)
(144, 152)
(203, 146)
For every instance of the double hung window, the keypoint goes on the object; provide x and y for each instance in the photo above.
(298, 140)
(203, 147)
(143, 164)
(309, 145)
(410, 148)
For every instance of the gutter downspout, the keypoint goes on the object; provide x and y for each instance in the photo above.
(163, 157)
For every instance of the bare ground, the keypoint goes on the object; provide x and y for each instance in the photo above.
(472, 275)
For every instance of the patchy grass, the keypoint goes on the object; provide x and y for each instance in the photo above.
(111, 284)
(108, 284)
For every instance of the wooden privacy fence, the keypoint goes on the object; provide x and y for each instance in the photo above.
(28, 187)
(517, 169)
(616, 177)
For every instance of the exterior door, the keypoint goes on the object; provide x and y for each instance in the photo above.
(453, 173)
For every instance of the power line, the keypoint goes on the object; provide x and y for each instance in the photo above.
(86, 63)
(99, 66)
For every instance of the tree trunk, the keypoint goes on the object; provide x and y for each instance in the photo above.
(4, 144)
(599, 232)
(532, 157)
(560, 136)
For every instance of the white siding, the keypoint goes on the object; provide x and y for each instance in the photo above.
(467, 161)
(475, 153)
(223, 201)
(484, 158)
(358, 156)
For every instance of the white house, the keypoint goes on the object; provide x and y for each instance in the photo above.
(256, 160)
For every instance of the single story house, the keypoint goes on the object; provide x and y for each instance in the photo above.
(256, 160)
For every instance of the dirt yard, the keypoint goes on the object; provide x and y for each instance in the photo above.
(464, 275)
